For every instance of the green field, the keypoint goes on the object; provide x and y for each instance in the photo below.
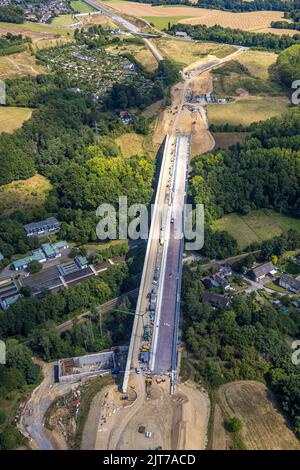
(81, 7)
(63, 20)
(256, 226)
(162, 22)
(248, 110)
(27, 28)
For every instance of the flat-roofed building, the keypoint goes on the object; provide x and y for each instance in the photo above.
(42, 227)
(37, 255)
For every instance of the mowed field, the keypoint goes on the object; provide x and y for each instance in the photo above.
(249, 21)
(15, 65)
(24, 194)
(256, 226)
(35, 31)
(81, 7)
(264, 428)
(258, 63)
(12, 118)
(187, 53)
(248, 110)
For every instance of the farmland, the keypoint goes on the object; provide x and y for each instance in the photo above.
(186, 54)
(250, 21)
(15, 65)
(93, 70)
(264, 428)
(256, 226)
(12, 118)
(24, 194)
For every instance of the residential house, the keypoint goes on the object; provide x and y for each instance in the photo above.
(215, 300)
(260, 272)
(222, 282)
(290, 283)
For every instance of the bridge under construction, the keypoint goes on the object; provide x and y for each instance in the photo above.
(153, 345)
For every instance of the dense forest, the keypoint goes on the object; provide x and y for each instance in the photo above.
(288, 64)
(241, 5)
(262, 172)
(247, 341)
(237, 36)
(12, 14)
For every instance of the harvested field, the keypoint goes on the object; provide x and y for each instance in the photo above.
(264, 428)
(256, 226)
(245, 111)
(219, 439)
(24, 194)
(15, 65)
(140, 52)
(188, 53)
(249, 21)
(12, 118)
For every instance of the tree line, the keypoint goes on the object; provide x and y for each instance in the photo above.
(217, 33)
(12, 13)
(261, 173)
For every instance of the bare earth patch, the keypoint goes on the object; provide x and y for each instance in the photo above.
(264, 428)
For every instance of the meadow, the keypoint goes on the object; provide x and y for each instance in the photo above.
(24, 194)
(247, 110)
(256, 226)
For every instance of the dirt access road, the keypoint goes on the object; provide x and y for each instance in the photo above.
(172, 421)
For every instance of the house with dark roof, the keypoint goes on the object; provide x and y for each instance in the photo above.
(215, 300)
(222, 282)
(260, 272)
(290, 283)
(50, 225)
